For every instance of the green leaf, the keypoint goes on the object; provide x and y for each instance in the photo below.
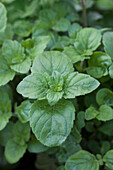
(14, 151)
(106, 128)
(82, 160)
(3, 17)
(6, 74)
(6, 134)
(73, 29)
(62, 25)
(34, 146)
(41, 44)
(105, 113)
(4, 119)
(71, 52)
(52, 124)
(23, 111)
(87, 40)
(13, 52)
(91, 113)
(22, 28)
(53, 97)
(52, 61)
(99, 64)
(5, 112)
(77, 84)
(22, 67)
(111, 71)
(104, 5)
(56, 86)
(7, 34)
(108, 159)
(105, 147)
(33, 86)
(21, 132)
(104, 96)
(107, 41)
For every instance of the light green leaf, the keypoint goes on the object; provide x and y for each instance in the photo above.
(52, 61)
(99, 64)
(104, 96)
(111, 71)
(53, 97)
(55, 92)
(23, 111)
(82, 160)
(52, 124)
(91, 113)
(108, 159)
(105, 113)
(107, 41)
(33, 86)
(3, 17)
(73, 54)
(41, 44)
(13, 52)
(22, 28)
(14, 151)
(34, 146)
(87, 40)
(73, 29)
(22, 67)
(77, 84)
(62, 25)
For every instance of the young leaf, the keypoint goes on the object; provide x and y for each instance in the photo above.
(82, 160)
(55, 92)
(3, 17)
(14, 151)
(108, 159)
(52, 124)
(52, 61)
(33, 86)
(77, 84)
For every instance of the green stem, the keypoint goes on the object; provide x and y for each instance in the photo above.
(84, 13)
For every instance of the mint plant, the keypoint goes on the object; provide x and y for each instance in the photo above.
(56, 95)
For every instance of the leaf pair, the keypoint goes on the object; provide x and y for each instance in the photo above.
(87, 40)
(57, 80)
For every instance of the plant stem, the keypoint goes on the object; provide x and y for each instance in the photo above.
(84, 13)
